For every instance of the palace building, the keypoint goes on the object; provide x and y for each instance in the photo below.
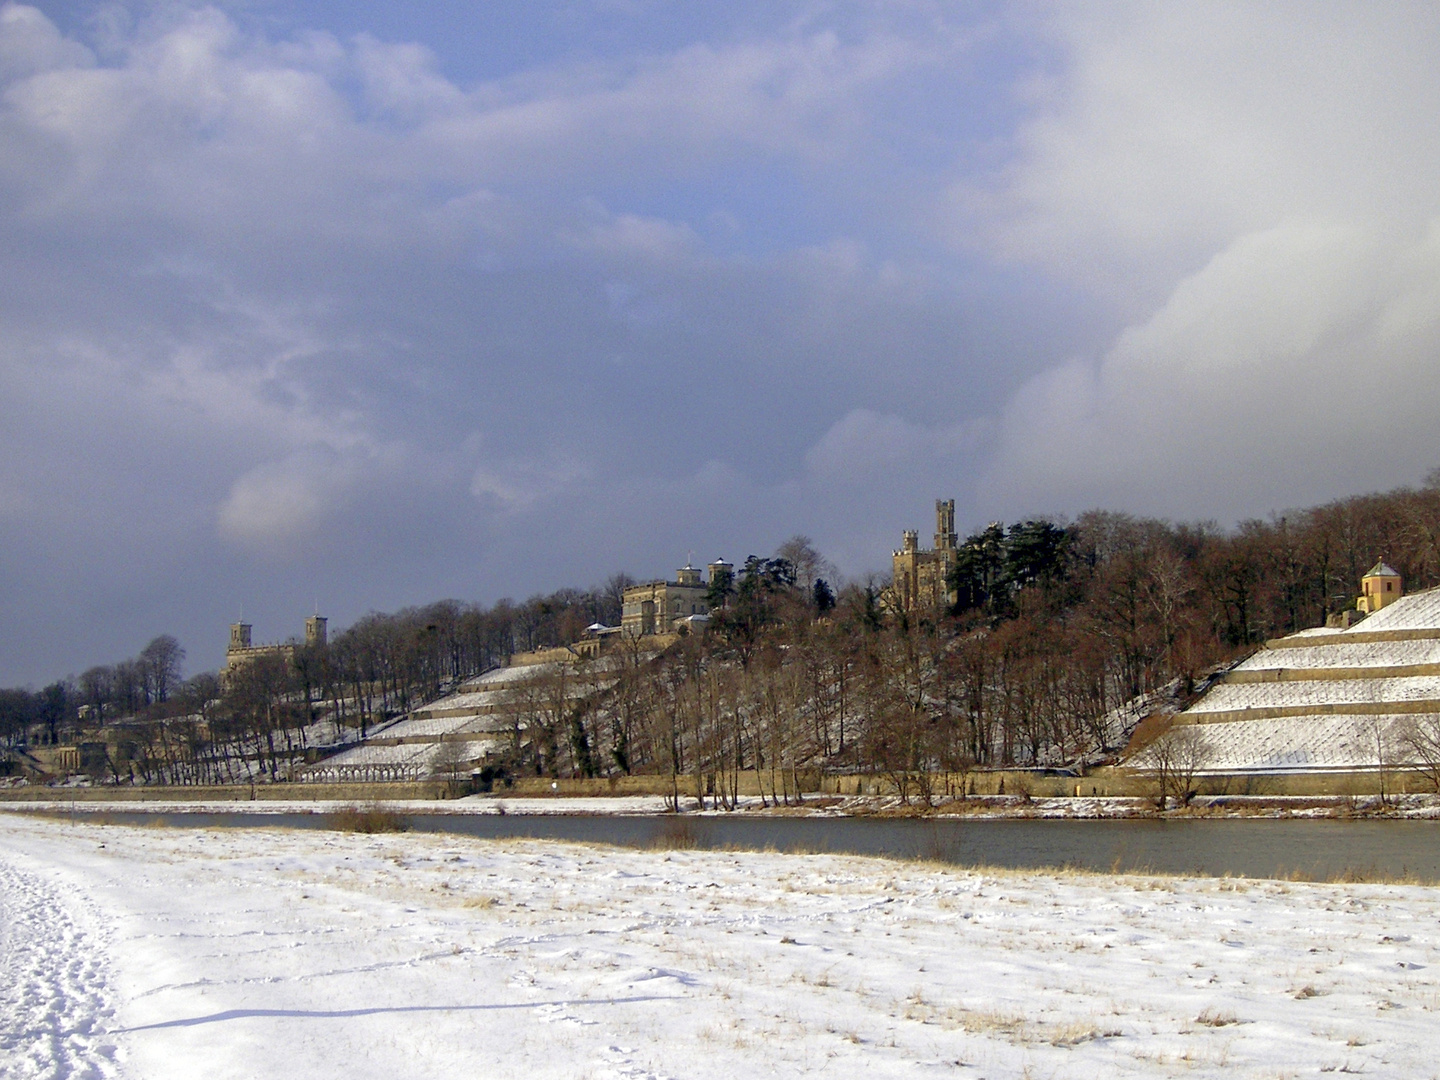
(922, 577)
(662, 607)
(242, 652)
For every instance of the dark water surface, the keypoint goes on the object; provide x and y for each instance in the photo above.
(1319, 849)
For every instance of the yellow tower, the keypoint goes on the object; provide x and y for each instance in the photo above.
(1379, 587)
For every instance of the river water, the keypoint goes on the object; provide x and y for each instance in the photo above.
(1316, 849)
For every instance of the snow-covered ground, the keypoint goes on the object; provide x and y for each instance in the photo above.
(164, 953)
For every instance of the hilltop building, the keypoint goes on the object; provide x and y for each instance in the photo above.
(662, 607)
(922, 577)
(1379, 588)
(242, 652)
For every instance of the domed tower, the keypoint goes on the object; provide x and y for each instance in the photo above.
(1380, 587)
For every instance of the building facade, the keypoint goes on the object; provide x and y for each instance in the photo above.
(1380, 587)
(922, 577)
(661, 607)
(241, 651)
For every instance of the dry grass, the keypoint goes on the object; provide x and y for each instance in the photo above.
(1215, 1018)
(676, 834)
(368, 819)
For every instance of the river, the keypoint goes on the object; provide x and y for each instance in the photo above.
(1316, 849)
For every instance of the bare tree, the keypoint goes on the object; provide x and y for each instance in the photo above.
(160, 661)
(1173, 761)
(1420, 735)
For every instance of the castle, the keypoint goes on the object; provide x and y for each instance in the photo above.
(922, 578)
(241, 652)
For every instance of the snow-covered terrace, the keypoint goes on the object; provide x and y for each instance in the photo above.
(406, 761)
(1418, 611)
(421, 726)
(1304, 743)
(1229, 697)
(1346, 654)
(1326, 671)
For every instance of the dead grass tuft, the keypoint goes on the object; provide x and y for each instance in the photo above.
(368, 819)
(1216, 1019)
(1073, 1034)
(676, 834)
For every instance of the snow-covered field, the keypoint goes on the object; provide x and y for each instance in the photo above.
(153, 952)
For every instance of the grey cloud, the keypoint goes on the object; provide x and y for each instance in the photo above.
(305, 319)
(296, 320)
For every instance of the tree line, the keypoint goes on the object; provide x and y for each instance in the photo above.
(1055, 625)
(275, 710)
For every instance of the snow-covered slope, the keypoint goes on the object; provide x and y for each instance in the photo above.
(1345, 654)
(1313, 692)
(1305, 743)
(1336, 677)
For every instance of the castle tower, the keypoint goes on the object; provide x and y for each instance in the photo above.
(945, 538)
(688, 575)
(315, 630)
(239, 636)
(721, 569)
(1380, 587)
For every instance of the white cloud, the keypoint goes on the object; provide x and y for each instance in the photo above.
(281, 504)
(30, 44)
(1170, 129)
(1299, 359)
(518, 486)
(1252, 185)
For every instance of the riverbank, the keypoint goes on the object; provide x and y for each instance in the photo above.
(991, 807)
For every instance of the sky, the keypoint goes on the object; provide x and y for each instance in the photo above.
(351, 307)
